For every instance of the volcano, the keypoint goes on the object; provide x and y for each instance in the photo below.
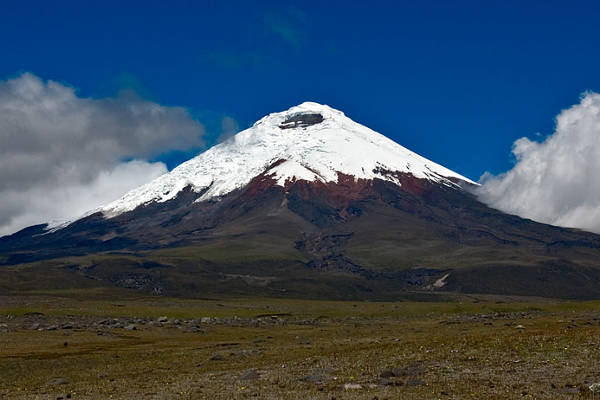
(305, 203)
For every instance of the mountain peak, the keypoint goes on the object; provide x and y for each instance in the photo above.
(302, 115)
(310, 141)
(308, 107)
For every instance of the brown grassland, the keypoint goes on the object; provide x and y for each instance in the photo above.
(67, 345)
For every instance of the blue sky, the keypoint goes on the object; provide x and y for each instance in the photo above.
(457, 82)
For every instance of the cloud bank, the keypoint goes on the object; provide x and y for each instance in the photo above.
(63, 155)
(556, 181)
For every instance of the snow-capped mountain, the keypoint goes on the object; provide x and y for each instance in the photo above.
(310, 142)
(306, 203)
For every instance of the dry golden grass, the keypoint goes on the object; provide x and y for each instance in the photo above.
(438, 350)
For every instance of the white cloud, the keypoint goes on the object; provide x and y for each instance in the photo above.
(556, 181)
(62, 155)
(38, 204)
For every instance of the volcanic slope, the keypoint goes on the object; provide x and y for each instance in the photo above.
(305, 203)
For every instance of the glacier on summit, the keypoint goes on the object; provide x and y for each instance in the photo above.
(288, 147)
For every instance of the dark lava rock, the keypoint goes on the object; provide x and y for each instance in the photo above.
(217, 357)
(415, 382)
(387, 373)
(411, 370)
(301, 120)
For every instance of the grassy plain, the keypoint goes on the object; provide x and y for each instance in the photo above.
(67, 345)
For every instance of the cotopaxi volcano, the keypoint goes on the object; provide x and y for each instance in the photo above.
(305, 203)
(309, 142)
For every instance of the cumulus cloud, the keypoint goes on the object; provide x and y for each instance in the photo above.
(63, 154)
(556, 181)
(38, 204)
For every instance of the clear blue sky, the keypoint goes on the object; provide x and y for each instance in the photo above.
(457, 81)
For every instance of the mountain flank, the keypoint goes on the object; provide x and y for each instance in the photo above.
(305, 203)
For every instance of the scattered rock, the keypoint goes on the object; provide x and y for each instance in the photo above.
(57, 381)
(384, 382)
(249, 375)
(387, 373)
(410, 370)
(391, 377)
(390, 382)
(162, 319)
(51, 328)
(594, 387)
(217, 357)
(519, 327)
(352, 386)
(33, 314)
(131, 327)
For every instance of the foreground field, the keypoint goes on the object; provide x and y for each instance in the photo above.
(55, 347)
